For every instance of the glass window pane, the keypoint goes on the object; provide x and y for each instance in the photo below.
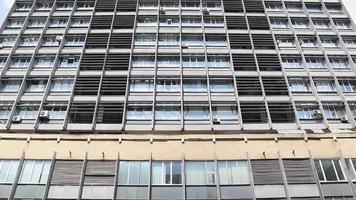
(36, 172)
(195, 173)
(156, 173)
(339, 170)
(144, 173)
(319, 171)
(329, 170)
(26, 171)
(45, 172)
(123, 172)
(176, 173)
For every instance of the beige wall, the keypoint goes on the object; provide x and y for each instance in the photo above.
(168, 147)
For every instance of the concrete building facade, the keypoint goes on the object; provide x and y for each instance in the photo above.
(178, 99)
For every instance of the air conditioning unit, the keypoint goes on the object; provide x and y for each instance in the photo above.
(59, 38)
(169, 21)
(44, 114)
(216, 121)
(317, 113)
(184, 46)
(162, 11)
(344, 120)
(16, 119)
(205, 11)
(1, 46)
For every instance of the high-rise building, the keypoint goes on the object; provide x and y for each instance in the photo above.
(178, 100)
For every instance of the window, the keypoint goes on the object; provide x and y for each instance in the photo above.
(334, 111)
(294, 7)
(147, 21)
(133, 173)
(308, 42)
(44, 62)
(74, 41)
(86, 5)
(168, 85)
(68, 62)
(5, 110)
(213, 22)
(221, 85)
(23, 7)
(284, 43)
(194, 85)
(315, 62)
(215, 40)
(200, 173)
(36, 85)
(313, 7)
(347, 85)
(166, 172)
(15, 23)
(299, 85)
(300, 23)
(196, 112)
(20, 62)
(218, 62)
(168, 21)
(192, 40)
(167, 112)
(322, 24)
(57, 110)
(27, 110)
(145, 40)
(62, 85)
(343, 24)
(192, 61)
(147, 4)
(35, 172)
(168, 61)
(31, 41)
(36, 22)
(143, 61)
(64, 6)
(191, 21)
(329, 42)
(308, 111)
(50, 41)
(273, 7)
(58, 22)
(324, 85)
(8, 41)
(190, 5)
(279, 23)
(329, 170)
(225, 111)
(141, 85)
(167, 4)
(45, 6)
(8, 170)
(351, 166)
(333, 7)
(291, 62)
(80, 22)
(2, 62)
(10, 85)
(350, 43)
(139, 112)
(233, 172)
(352, 106)
(168, 40)
(339, 62)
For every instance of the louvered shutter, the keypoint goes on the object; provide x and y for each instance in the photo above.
(100, 173)
(298, 171)
(266, 172)
(67, 172)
